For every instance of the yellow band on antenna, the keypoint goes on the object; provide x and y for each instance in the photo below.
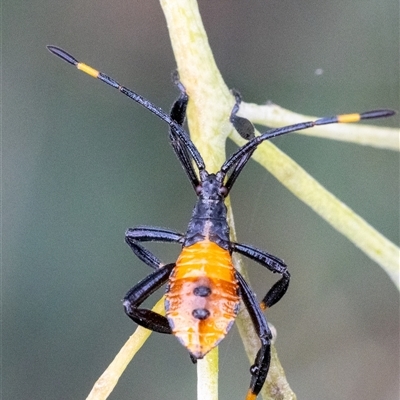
(89, 70)
(348, 118)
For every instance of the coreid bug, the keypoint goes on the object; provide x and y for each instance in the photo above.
(203, 288)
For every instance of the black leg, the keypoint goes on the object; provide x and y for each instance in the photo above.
(243, 126)
(150, 234)
(246, 130)
(274, 264)
(178, 110)
(259, 369)
(178, 114)
(140, 292)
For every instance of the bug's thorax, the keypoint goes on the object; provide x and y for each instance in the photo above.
(202, 298)
(208, 221)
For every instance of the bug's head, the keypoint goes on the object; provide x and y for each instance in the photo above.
(211, 186)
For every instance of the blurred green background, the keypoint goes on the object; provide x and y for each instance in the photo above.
(81, 164)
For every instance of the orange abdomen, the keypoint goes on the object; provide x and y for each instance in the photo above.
(202, 299)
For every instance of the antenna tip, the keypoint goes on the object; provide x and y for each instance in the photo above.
(62, 54)
(377, 114)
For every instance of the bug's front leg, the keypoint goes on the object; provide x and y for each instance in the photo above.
(150, 234)
(184, 150)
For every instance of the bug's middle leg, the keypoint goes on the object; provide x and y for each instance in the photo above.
(140, 292)
(275, 265)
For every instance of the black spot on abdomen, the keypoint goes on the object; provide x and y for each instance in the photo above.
(201, 313)
(202, 291)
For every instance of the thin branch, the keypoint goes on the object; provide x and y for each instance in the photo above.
(274, 116)
(207, 376)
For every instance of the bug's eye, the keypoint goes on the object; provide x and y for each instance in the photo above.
(223, 191)
(199, 189)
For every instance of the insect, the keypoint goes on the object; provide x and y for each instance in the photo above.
(203, 288)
